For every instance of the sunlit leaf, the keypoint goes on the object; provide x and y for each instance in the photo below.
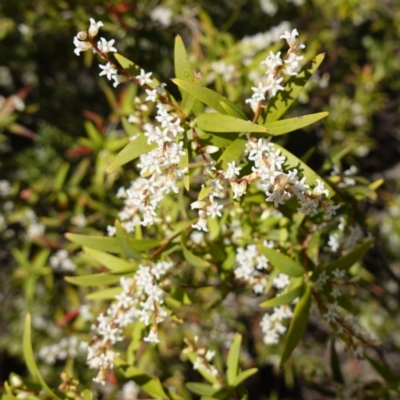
(212, 122)
(297, 325)
(92, 280)
(191, 258)
(282, 262)
(285, 298)
(232, 361)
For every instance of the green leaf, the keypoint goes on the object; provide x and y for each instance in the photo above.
(376, 184)
(335, 363)
(106, 294)
(104, 243)
(191, 258)
(202, 389)
(209, 97)
(284, 298)
(311, 177)
(96, 138)
(125, 244)
(184, 71)
(202, 371)
(30, 359)
(232, 361)
(279, 104)
(244, 375)
(151, 385)
(60, 177)
(346, 261)
(232, 153)
(281, 127)
(297, 325)
(108, 261)
(212, 122)
(87, 394)
(131, 151)
(92, 280)
(282, 262)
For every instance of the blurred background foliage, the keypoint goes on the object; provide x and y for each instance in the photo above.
(60, 126)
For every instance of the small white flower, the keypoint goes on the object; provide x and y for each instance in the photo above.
(281, 281)
(105, 46)
(151, 95)
(81, 46)
(111, 230)
(109, 70)
(144, 78)
(94, 27)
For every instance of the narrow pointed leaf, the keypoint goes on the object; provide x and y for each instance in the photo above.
(191, 258)
(202, 389)
(244, 375)
(282, 262)
(297, 325)
(124, 243)
(233, 359)
(30, 358)
(232, 153)
(184, 71)
(346, 261)
(212, 122)
(106, 260)
(106, 294)
(284, 298)
(383, 371)
(209, 97)
(131, 151)
(283, 126)
(311, 177)
(92, 280)
(279, 104)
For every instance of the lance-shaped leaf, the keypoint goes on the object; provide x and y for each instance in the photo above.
(212, 122)
(131, 151)
(344, 262)
(184, 71)
(124, 243)
(202, 389)
(106, 294)
(92, 280)
(279, 104)
(108, 261)
(311, 177)
(283, 126)
(151, 385)
(232, 361)
(242, 376)
(30, 358)
(297, 325)
(281, 262)
(284, 298)
(383, 371)
(209, 97)
(191, 258)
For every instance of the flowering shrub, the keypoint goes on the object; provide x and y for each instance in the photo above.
(224, 245)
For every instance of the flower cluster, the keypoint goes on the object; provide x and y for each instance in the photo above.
(162, 164)
(60, 262)
(34, 227)
(251, 266)
(67, 348)
(271, 324)
(271, 83)
(343, 242)
(280, 186)
(141, 299)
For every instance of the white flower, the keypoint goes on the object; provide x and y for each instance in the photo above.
(274, 86)
(111, 230)
(331, 210)
(94, 27)
(109, 70)
(144, 78)
(319, 190)
(81, 46)
(151, 95)
(239, 189)
(5, 188)
(291, 38)
(152, 337)
(161, 14)
(281, 281)
(232, 170)
(273, 61)
(201, 225)
(105, 46)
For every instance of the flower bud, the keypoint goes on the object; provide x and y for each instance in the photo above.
(82, 35)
